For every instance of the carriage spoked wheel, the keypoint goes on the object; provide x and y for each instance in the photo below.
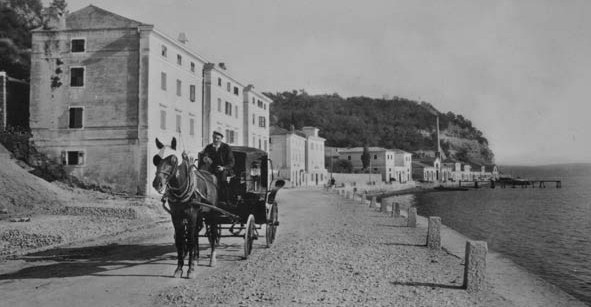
(249, 235)
(272, 223)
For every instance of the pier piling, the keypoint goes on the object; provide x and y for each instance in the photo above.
(373, 202)
(434, 233)
(475, 265)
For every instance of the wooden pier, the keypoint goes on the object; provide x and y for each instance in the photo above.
(523, 183)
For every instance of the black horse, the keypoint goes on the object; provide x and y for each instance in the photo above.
(186, 189)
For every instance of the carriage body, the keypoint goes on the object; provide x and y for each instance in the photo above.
(251, 198)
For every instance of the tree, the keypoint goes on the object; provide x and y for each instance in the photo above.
(342, 166)
(365, 157)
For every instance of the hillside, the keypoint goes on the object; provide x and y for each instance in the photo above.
(391, 123)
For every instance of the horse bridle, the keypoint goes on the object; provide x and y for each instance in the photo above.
(168, 174)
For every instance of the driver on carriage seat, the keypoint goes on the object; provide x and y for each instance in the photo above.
(221, 161)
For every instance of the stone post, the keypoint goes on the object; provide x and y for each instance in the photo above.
(434, 233)
(373, 202)
(348, 195)
(384, 205)
(475, 267)
(412, 217)
(396, 210)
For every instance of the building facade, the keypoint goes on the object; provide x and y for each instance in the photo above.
(256, 119)
(382, 161)
(288, 155)
(104, 87)
(402, 166)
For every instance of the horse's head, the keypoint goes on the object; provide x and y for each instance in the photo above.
(166, 161)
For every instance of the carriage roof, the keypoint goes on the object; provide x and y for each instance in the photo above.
(249, 151)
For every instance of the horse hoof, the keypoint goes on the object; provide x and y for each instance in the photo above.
(190, 275)
(212, 262)
(178, 273)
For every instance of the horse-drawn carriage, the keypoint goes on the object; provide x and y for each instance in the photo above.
(251, 201)
(193, 200)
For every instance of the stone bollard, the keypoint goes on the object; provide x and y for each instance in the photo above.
(348, 195)
(412, 217)
(373, 202)
(396, 210)
(475, 265)
(384, 205)
(434, 233)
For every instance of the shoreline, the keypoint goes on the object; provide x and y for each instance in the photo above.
(508, 279)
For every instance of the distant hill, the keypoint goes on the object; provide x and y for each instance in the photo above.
(391, 123)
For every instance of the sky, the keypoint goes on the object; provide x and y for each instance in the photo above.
(519, 70)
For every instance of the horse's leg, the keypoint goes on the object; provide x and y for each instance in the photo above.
(191, 234)
(179, 240)
(213, 234)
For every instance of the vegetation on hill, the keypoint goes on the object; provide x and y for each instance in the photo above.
(392, 123)
(17, 19)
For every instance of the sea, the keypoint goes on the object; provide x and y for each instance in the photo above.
(545, 230)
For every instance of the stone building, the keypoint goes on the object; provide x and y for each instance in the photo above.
(104, 87)
(382, 161)
(256, 119)
(402, 166)
(299, 156)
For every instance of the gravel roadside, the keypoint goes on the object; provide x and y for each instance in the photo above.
(331, 251)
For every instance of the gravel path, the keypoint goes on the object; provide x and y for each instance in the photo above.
(331, 251)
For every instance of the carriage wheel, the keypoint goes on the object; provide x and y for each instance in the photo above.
(248, 235)
(272, 223)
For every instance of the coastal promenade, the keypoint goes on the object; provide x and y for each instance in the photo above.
(504, 279)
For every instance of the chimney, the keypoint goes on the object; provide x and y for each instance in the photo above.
(222, 65)
(183, 38)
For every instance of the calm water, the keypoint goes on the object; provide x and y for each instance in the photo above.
(547, 231)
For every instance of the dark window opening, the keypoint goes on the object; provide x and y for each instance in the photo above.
(76, 117)
(78, 45)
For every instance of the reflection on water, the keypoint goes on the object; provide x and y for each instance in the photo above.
(547, 231)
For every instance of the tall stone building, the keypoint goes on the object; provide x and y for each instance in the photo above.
(299, 156)
(104, 87)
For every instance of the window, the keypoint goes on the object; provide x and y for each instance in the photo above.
(178, 87)
(253, 101)
(349, 158)
(162, 119)
(164, 51)
(230, 135)
(163, 81)
(236, 91)
(76, 117)
(178, 123)
(179, 59)
(253, 140)
(192, 66)
(236, 111)
(192, 126)
(253, 119)
(375, 157)
(264, 106)
(219, 81)
(192, 93)
(78, 45)
(259, 143)
(73, 158)
(219, 105)
(228, 108)
(77, 76)
(262, 121)
(228, 86)
(265, 145)
(259, 103)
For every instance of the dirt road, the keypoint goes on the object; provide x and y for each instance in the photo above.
(328, 251)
